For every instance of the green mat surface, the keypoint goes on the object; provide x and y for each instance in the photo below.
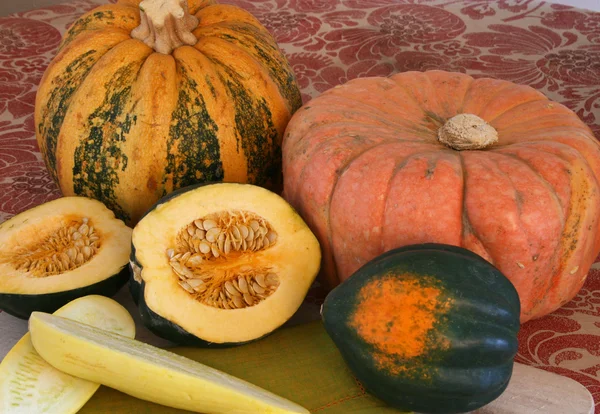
(300, 363)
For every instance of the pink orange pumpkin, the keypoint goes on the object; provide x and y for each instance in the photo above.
(485, 164)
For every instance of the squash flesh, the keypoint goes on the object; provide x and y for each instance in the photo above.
(147, 372)
(54, 391)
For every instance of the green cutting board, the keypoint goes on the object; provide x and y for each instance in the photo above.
(300, 363)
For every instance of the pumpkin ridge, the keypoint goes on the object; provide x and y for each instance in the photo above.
(58, 98)
(330, 197)
(462, 98)
(397, 169)
(197, 5)
(398, 80)
(343, 122)
(56, 108)
(475, 84)
(86, 179)
(376, 108)
(184, 165)
(467, 228)
(296, 144)
(437, 119)
(570, 234)
(104, 17)
(555, 257)
(248, 124)
(540, 176)
(578, 154)
(245, 35)
(260, 109)
(81, 24)
(547, 138)
(516, 107)
(316, 149)
(517, 197)
(222, 10)
(555, 118)
(384, 114)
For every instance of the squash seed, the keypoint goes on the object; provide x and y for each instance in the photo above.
(260, 279)
(213, 238)
(186, 286)
(209, 224)
(66, 248)
(213, 234)
(258, 288)
(243, 285)
(238, 302)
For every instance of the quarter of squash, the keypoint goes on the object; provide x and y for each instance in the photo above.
(430, 328)
(59, 251)
(147, 372)
(28, 384)
(221, 264)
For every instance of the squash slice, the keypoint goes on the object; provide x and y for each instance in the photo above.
(147, 372)
(59, 251)
(28, 384)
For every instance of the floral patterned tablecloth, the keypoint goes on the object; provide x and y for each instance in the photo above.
(553, 48)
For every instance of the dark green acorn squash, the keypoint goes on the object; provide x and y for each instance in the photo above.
(59, 251)
(430, 328)
(221, 264)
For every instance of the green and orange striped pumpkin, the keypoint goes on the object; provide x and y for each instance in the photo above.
(122, 120)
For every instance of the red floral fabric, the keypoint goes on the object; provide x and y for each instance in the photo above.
(553, 48)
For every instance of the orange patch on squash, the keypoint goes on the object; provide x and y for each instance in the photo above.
(396, 314)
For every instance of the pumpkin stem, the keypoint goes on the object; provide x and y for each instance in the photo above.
(165, 25)
(467, 132)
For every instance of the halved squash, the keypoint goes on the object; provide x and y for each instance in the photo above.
(221, 264)
(28, 384)
(59, 251)
(146, 372)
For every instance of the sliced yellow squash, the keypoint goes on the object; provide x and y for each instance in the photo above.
(29, 385)
(147, 372)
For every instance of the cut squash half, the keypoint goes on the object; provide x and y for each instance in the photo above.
(28, 384)
(147, 372)
(59, 251)
(221, 264)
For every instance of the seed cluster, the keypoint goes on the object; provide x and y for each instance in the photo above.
(69, 247)
(221, 234)
(207, 242)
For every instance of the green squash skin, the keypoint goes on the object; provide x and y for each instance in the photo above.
(482, 327)
(158, 325)
(21, 306)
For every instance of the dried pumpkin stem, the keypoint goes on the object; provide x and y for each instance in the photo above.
(467, 132)
(165, 25)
